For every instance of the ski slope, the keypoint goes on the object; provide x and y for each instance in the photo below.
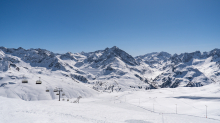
(137, 106)
(12, 87)
(94, 75)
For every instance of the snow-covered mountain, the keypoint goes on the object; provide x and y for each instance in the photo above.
(102, 70)
(191, 69)
(154, 58)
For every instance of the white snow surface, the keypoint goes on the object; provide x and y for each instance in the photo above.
(146, 89)
(88, 73)
(165, 105)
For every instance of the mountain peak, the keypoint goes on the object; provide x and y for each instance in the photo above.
(114, 47)
(216, 51)
(108, 55)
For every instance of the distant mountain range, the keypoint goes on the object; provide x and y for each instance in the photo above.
(113, 67)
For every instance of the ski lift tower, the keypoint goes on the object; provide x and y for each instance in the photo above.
(59, 90)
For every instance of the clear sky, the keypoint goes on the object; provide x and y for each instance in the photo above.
(136, 26)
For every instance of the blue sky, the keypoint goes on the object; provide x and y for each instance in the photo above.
(136, 26)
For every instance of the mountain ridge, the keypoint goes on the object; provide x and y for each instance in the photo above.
(102, 70)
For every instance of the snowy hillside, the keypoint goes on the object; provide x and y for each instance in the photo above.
(191, 70)
(111, 69)
(166, 105)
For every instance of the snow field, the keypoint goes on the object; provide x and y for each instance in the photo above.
(50, 80)
(121, 107)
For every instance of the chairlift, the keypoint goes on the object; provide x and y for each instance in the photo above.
(47, 90)
(55, 90)
(24, 80)
(63, 94)
(38, 81)
(63, 99)
(57, 94)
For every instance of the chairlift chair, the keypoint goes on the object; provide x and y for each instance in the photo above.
(47, 90)
(38, 81)
(57, 94)
(63, 94)
(55, 90)
(24, 80)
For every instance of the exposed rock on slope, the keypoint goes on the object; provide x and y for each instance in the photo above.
(113, 67)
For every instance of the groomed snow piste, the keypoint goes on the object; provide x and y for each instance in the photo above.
(167, 105)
